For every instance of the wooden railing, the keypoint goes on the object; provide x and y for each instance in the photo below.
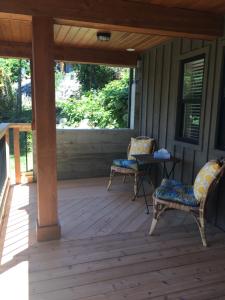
(5, 177)
(17, 128)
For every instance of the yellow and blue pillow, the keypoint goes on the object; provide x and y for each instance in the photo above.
(140, 146)
(204, 179)
(137, 146)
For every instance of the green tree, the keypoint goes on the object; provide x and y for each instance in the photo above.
(12, 67)
(7, 98)
(94, 77)
(12, 71)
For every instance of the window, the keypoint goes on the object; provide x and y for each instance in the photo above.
(190, 99)
(220, 141)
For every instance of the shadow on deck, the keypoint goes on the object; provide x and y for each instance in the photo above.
(105, 251)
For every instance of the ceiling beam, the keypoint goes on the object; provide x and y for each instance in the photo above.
(15, 49)
(96, 56)
(73, 54)
(124, 15)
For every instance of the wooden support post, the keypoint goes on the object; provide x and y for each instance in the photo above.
(48, 227)
(16, 145)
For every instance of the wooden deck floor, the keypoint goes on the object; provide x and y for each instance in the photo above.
(105, 252)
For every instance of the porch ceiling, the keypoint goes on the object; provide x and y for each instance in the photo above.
(18, 28)
(136, 24)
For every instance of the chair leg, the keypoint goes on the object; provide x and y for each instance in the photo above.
(200, 220)
(155, 219)
(153, 225)
(124, 178)
(201, 226)
(158, 209)
(135, 185)
(112, 173)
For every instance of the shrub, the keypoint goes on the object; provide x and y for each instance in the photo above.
(106, 108)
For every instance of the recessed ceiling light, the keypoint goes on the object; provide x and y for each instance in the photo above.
(103, 36)
(130, 49)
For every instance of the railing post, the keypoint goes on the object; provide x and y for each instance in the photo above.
(7, 154)
(16, 144)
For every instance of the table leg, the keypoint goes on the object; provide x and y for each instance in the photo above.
(172, 170)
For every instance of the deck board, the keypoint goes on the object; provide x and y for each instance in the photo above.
(105, 251)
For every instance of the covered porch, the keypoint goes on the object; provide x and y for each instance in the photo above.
(96, 244)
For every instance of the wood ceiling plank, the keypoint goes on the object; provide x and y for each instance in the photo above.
(56, 30)
(70, 35)
(124, 16)
(62, 33)
(14, 30)
(83, 39)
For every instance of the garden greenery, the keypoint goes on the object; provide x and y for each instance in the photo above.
(102, 108)
(101, 102)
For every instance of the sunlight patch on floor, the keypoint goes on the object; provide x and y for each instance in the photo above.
(15, 282)
(17, 233)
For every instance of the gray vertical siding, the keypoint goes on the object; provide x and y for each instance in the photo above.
(160, 81)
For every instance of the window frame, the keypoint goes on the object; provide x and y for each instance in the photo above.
(180, 102)
(221, 95)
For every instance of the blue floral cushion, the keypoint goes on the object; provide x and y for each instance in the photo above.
(127, 163)
(172, 190)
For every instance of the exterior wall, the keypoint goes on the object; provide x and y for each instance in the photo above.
(89, 153)
(160, 80)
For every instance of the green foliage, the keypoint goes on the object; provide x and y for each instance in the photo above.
(7, 98)
(11, 72)
(25, 142)
(10, 98)
(106, 108)
(114, 97)
(94, 77)
(12, 66)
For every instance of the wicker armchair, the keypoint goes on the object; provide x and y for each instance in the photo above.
(197, 211)
(128, 171)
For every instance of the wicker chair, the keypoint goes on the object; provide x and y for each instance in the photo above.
(118, 170)
(198, 211)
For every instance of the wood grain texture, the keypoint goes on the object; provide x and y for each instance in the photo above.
(89, 153)
(73, 54)
(44, 97)
(105, 251)
(16, 145)
(86, 37)
(16, 38)
(99, 55)
(122, 16)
